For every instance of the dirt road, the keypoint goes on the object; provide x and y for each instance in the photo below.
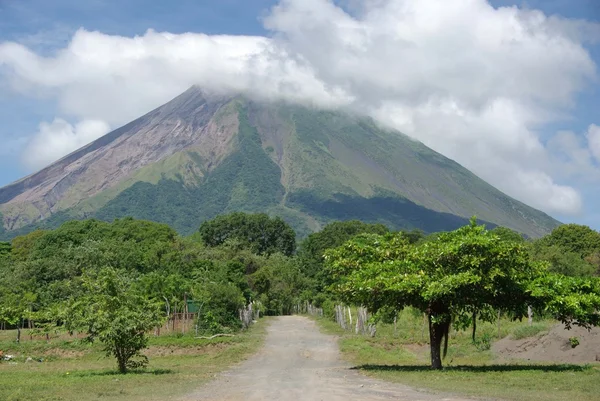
(299, 363)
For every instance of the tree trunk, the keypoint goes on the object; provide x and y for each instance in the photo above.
(474, 325)
(18, 334)
(529, 315)
(121, 360)
(437, 331)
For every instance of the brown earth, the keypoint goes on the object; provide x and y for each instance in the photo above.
(552, 346)
(299, 363)
(176, 350)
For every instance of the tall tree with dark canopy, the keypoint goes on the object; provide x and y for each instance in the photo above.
(259, 232)
(466, 273)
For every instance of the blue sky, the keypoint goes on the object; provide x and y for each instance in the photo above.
(46, 28)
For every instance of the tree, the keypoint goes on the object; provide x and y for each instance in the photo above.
(112, 312)
(576, 238)
(280, 283)
(460, 275)
(259, 232)
(571, 249)
(506, 234)
(22, 246)
(5, 249)
(563, 261)
(332, 235)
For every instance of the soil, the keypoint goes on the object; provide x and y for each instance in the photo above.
(177, 351)
(299, 363)
(552, 346)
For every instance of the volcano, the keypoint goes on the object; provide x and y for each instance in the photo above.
(201, 155)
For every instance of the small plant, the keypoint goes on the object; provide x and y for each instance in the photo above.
(484, 343)
(574, 341)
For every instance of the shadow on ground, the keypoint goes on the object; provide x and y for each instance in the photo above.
(477, 369)
(129, 372)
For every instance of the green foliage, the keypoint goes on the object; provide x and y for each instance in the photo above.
(280, 283)
(113, 313)
(561, 260)
(574, 341)
(220, 303)
(470, 270)
(575, 238)
(260, 233)
(484, 342)
(5, 249)
(506, 234)
(312, 249)
(571, 249)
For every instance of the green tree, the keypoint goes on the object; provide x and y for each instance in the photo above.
(571, 249)
(562, 260)
(466, 273)
(262, 234)
(279, 283)
(312, 249)
(112, 312)
(506, 234)
(576, 238)
(5, 249)
(22, 246)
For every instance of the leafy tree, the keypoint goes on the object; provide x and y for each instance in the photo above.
(506, 234)
(562, 261)
(5, 249)
(112, 312)
(22, 246)
(279, 283)
(571, 249)
(460, 275)
(262, 234)
(576, 238)
(313, 248)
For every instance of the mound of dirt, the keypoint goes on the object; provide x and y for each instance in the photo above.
(553, 346)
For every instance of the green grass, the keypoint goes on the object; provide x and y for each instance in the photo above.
(470, 369)
(178, 365)
(529, 331)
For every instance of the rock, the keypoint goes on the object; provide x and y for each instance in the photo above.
(29, 359)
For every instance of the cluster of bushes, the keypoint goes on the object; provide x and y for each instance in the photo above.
(142, 272)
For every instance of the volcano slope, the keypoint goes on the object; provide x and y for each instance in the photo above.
(201, 155)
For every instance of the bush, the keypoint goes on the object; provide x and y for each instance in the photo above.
(484, 342)
(574, 341)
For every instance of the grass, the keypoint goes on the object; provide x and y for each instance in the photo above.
(529, 331)
(470, 369)
(81, 372)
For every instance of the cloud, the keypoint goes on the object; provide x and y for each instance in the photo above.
(593, 137)
(59, 138)
(471, 81)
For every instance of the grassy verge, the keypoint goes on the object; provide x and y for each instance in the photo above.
(470, 368)
(72, 371)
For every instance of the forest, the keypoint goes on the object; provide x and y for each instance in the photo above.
(118, 282)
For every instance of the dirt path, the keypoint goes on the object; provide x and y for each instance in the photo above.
(298, 363)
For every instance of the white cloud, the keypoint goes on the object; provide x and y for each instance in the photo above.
(469, 80)
(593, 137)
(59, 138)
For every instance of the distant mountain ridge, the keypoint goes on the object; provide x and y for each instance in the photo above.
(200, 155)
